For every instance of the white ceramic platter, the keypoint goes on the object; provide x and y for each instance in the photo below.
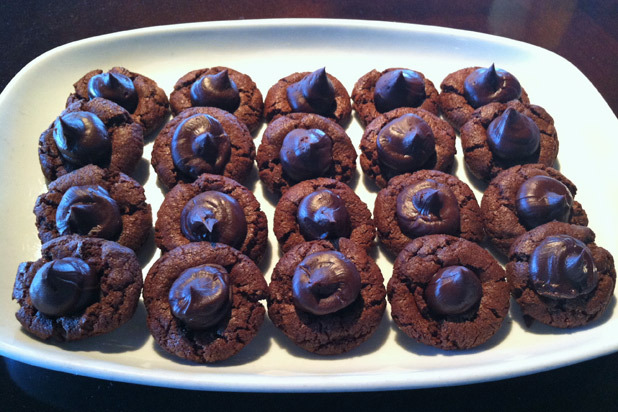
(268, 50)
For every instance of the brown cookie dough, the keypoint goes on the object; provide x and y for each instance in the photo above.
(276, 103)
(336, 332)
(135, 213)
(453, 103)
(152, 107)
(127, 140)
(234, 331)
(269, 159)
(559, 312)
(120, 284)
(412, 273)
(364, 89)
(443, 133)
(168, 233)
(385, 209)
(286, 226)
(498, 205)
(251, 105)
(239, 164)
(479, 158)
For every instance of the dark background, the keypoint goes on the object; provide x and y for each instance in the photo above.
(583, 32)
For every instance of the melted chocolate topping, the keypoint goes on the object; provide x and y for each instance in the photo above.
(513, 135)
(484, 86)
(562, 267)
(542, 199)
(314, 93)
(216, 90)
(426, 208)
(82, 138)
(214, 217)
(115, 87)
(200, 145)
(399, 88)
(89, 211)
(406, 143)
(325, 282)
(64, 287)
(201, 296)
(453, 290)
(323, 215)
(306, 154)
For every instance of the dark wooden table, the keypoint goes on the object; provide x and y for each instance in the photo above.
(584, 32)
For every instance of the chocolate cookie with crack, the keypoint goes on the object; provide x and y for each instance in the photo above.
(423, 203)
(405, 140)
(326, 300)
(322, 209)
(499, 136)
(212, 209)
(317, 92)
(96, 131)
(203, 301)
(448, 292)
(80, 287)
(304, 146)
(523, 197)
(559, 276)
(376, 93)
(202, 140)
(95, 202)
(464, 91)
(138, 94)
(220, 87)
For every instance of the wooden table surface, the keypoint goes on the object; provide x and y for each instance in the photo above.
(583, 32)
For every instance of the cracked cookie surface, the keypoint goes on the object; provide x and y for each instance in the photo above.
(412, 272)
(152, 107)
(385, 207)
(363, 96)
(120, 284)
(251, 104)
(268, 154)
(136, 214)
(498, 205)
(561, 313)
(242, 154)
(168, 234)
(336, 332)
(479, 158)
(234, 331)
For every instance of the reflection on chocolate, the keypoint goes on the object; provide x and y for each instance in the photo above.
(427, 207)
(542, 199)
(513, 135)
(484, 86)
(314, 93)
(216, 90)
(88, 211)
(201, 296)
(406, 143)
(200, 145)
(323, 215)
(399, 88)
(325, 282)
(306, 154)
(453, 290)
(115, 87)
(562, 267)
(64, 287)
(214, 217)
(82, 138)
